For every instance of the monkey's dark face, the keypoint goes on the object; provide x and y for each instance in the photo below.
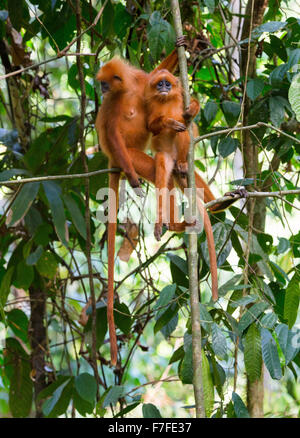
(164, 87)
(114, 83)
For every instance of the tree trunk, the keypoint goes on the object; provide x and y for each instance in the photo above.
(254, 15)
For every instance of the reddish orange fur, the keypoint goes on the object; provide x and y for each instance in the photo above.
(123, 135)
(165, 117)
(121, 126)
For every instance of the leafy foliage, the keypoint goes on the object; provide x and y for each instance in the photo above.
(45, 311)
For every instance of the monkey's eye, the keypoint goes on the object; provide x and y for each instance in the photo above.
(160, 83)
(117, 77)
(168, 84)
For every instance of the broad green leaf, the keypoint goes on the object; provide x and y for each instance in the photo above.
(270, 354)
(252, 353)
(268, 321)
(294, 95)
(292, 298)
(34, 256)
(219, 344)
(18, 322)
(86, 386)
(220, 232)
(255, 88)
(205, 318)
(23, 202)
(227, 146)
(150, 411)
(231, 111)
(208, 387)
(24, 276)
(185, 370)
(159, 34)
(53, 193)
(113, 395)
(251, 315)
(76, 215)
(58, 403)
(123, 318)
(47, 265)
(21, 385)
(165, 298)
(269, 27)
(239, 407)
(288, 341)
(210, 110)
(5, 285)
(277, 109)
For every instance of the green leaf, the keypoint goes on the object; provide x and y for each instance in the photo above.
(278, 47)
(165, 298)
(3, 15)
(277, 109)
(220, 232)
(251, 315)
(185, 371)
(269, 320)
(86, 386)
(227, 146)
(210, 5)
(270, 354)
(254, 88)
(53, 193)
(159, 33)
(252, 353)
(24, 276)
(113, 395)
(210, 110)
(34, 256)
(58, 403)
(288, 341)
(123, 318)
(18, 322)
(269, 27)
(294, 95)
(23, 202)
(208, 387)
(76, 215)
(239, 407)
(47, 265)
(5, 285)
(219, 344)
(150, 411)
(231, 111)
(21, 385)
(205, 318)
(291, 302)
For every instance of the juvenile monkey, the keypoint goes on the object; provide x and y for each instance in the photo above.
(166, 119)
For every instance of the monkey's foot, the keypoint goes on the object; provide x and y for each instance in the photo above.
(181, 168)
(181, 41)
(242, 192)
(177, 126)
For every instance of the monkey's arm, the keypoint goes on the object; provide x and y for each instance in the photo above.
(120, 152)
(191, 111)
(160, 123)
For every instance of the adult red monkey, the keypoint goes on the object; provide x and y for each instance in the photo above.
(121, 124)
(121, 127)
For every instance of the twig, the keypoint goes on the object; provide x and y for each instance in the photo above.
(244, 128)
(54, 177)
(193, 253)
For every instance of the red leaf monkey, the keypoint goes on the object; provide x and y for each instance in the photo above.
(121, 124)
(166, 119)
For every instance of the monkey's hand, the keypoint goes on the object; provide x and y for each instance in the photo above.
(181, 41)
(175, 125)
(191, 111)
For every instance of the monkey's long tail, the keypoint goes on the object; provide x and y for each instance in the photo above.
(112, 229)
(208, 231)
